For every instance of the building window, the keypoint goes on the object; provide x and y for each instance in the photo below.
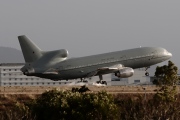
(136, 81)
(10, 79)
(31, 83)
(4, 69)
(9, 69)
(20, 83)
(4, 83)
(15, 69)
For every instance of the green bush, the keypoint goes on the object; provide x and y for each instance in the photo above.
(57, 105)
(54, 104)
(137, 108)
(18, 111)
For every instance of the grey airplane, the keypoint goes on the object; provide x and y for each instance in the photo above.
(56, 65)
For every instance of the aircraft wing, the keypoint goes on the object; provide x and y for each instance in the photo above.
(105, 70)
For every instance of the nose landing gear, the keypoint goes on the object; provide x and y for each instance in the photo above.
(146, 74)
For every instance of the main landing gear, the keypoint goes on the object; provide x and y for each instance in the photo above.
(146, 73)
(100, 80)
(83, 80)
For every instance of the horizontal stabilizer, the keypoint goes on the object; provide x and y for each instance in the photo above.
(50, 73)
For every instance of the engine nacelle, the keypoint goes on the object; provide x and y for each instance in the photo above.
(63, 53)
(125, 72)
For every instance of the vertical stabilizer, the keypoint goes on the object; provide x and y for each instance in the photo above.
(30, 51)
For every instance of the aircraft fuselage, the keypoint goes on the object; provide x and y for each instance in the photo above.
(135, 58)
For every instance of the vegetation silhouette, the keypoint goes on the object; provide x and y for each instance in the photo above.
(166, 81)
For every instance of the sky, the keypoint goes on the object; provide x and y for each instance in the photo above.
(87, 27)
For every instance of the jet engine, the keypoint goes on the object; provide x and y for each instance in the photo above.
(63, 53)
(125, 72)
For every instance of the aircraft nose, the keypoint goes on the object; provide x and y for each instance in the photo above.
(168, 54)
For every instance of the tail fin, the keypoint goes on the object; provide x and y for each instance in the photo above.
(30, 51)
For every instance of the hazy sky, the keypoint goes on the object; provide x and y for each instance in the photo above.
(86, 27)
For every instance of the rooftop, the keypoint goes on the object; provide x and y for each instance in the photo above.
(12, 64)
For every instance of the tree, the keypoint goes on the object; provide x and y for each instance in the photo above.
(166, 80)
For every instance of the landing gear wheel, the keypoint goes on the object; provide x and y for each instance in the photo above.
(104, 82)
(147, 74)
(97, 82)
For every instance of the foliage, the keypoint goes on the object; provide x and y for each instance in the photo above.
(67, 105)
(136, 108)
(166, 79)
(80, 90)
(166, 75)
(54, 105)
(18, 111)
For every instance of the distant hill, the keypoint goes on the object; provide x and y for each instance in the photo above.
(10, 55)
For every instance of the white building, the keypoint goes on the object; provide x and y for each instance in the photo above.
(10, 75)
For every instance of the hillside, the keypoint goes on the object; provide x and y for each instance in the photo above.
(10, 55)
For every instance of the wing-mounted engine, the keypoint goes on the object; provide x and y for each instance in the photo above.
(124, 72)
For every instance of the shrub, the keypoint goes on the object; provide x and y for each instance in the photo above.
(67, 105)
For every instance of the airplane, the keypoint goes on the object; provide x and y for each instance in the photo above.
(56, 65)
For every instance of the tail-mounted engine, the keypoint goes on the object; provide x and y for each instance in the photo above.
(125, 72)
(63, 53)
